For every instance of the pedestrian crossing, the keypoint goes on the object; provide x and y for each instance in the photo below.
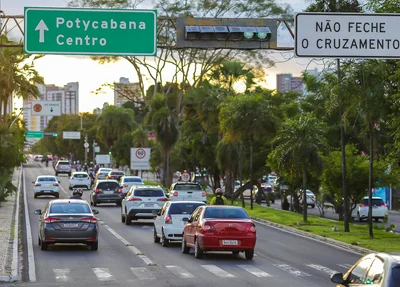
(224, 272)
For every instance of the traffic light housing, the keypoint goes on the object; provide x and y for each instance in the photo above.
(227, 33)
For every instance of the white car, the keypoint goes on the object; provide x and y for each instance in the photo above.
(79, 179)
(187, 191)
(141, 202)
(310, 198)
(46, 185)
(103, 172)
(171, 219)
(379, 209)
(126, 182)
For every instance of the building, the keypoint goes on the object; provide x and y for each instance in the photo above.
(68, 96)
(286, 82)
(125, 91)
(97, 111)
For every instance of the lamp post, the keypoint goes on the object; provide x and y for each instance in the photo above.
(13, 122)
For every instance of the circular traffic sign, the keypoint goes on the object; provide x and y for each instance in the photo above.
(86, 145)
(185, 176)
(37, 108)
(140, 153)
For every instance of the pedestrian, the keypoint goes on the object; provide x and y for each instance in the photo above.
(219, 198)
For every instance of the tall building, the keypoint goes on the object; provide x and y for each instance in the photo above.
(124, 90)
(286, 82)
(68, 96)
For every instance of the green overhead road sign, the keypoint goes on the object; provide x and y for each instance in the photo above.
(34, 134)
(79, 31)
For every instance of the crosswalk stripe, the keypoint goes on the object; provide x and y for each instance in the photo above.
(218, 271)
(322, 268)
(142, 273)
(255, 271)
(180, 272)
(291, 270)
(61, 275)
(345, 266)
(103, 274)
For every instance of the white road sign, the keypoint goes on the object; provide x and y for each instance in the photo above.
(140, 158)
(46, 108)
(347, 35)
(103, 159)
(185, 177)
(72, 135)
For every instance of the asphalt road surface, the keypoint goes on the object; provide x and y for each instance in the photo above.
(127, 255)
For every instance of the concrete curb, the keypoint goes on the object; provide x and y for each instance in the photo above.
(15, 256)
(332, 242)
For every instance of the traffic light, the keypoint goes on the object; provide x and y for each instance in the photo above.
(226, 33)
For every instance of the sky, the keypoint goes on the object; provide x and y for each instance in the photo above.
(60, 70)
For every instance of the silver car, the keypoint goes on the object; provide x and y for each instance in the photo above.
(126, 182)
(63, 166)
(46, 185)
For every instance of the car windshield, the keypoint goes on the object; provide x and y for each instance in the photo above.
(133, 180)
(184, 208)
(375, 201)
(225, 213)
(187, 187)
(47, 179)
(80, 175)
(69, 208)
(107, 185)
(148, 192)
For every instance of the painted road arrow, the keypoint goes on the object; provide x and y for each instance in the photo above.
(41, 27)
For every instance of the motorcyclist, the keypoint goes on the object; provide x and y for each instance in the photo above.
(92, 176)
(78, 166)
(219, 198)
(77, 194)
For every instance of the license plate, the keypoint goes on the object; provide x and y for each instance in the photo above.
(108, 192)
(47, 191)
(148, 205)
(229, 242)
(70, 225)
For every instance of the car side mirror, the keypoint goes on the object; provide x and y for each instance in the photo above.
(337, 278)
(185, 219)
(33, 182)
(38, 212)
(95, 211)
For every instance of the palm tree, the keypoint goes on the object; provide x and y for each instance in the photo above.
(140, 138)
(298, 144)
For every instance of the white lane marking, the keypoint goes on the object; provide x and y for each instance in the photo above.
(322, 268)
(146, 260)
(345, 266)
(103, 274)
(289, 269)
(123, 240)
(31, 256)
(180, 272)
(255, 271)
(218, 271)
(61, 275)
(142, 273)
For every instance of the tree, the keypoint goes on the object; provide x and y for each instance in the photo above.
(297, 147)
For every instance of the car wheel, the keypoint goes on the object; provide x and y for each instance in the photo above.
(164, 241)
(69, 175)
(376, 219)
(198, 252)
(118, 203)
(249, 254)
(94, 246)
(128, 220)
(43, 245)
(56, 173)
(185, 248)
(57, 196)
(235, 252)
(359, 217)
(94, 202)
(273, 201)
(38, 240)
(70, 188)
(122, 218)
(155, 237)
(312, 206)
(35, 195)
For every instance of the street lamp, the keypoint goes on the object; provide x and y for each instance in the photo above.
(13, 122)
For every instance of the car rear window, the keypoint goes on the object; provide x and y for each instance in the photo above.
(374, 201)
(47, 179)
(117, 173)
(225, 213)
(69, 208)
(267, 189)
(148, 192)
(80, 175)
(133, 180)
(183, 208)
(107, 185)
(187, 187)
(63, 163)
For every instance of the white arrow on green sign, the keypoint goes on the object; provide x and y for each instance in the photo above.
(80, 31)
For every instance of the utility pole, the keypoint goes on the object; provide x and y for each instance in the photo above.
(86, 146)
(94, 150)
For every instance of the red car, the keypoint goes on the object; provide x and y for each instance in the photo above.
(219, 228)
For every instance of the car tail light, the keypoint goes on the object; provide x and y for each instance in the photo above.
(97, 190)
(175, 193)
(383, 204)
(91, 239)
(363, 204)
(134, 199)
(203, 194)
(89, 219)
(70, 166)
(38, 184)
(208, 227)
(251, 228)
(55, 184)
(119, 190)
(162, 199)
(168, 219)
(51, 219)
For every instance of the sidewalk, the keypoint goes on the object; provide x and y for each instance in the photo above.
(8, 272)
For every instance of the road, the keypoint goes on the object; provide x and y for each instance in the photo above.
(127, 255)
